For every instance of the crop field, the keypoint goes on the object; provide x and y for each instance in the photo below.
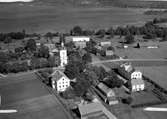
(30, 98)
(49, 16)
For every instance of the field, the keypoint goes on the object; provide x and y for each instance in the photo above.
(144, 52)
(30, 98)
(157, 74)
(48, 16)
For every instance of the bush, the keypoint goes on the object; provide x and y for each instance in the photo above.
(127, 100)
(129, 39)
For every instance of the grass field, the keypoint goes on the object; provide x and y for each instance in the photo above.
(29, 96)
(49, 16)
(144, 52)
(157, 74)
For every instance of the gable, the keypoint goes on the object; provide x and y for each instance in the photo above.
(65, 79)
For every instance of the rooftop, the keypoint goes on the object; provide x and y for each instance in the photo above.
(93, 108)
(57, 74)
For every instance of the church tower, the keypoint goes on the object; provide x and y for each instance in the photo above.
(63, 55)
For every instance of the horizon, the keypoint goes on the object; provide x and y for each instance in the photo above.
(16, 0)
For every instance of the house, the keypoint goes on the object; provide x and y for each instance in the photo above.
(51, 46)
(135, 79)
(80, 44)
(95, 110)
(38, 44)
(135, 85)
(59, 81)
(80, 39)
(125, 70)
(109, 51)
(105, 43)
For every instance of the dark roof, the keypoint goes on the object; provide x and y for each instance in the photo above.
(56, 75)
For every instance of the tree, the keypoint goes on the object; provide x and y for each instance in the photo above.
(74, 56)
(113, 82)
(81, 86)
(129, 39)
(100, 72)
(101, 33)
(164, 38)
(92, 77)
(127, 100)
(54, 61)
(110, 32)
(86, 58)
(43, 51)
(31, 45)
(4, 57)
(69, 93)
(73, 69)
(49, 35)
(77, 30)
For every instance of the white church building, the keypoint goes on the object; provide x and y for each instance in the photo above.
(63, 55)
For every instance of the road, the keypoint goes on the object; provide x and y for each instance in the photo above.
(96, 59)
(135, 62)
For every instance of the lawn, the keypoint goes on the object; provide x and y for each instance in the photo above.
(30, 97)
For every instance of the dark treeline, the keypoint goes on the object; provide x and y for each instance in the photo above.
(149, 30)
(155, 12)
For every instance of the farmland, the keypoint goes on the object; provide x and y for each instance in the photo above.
(61, 17)
(30, 98)
(144, 52)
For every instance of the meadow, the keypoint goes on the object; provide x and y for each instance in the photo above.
(43, 17)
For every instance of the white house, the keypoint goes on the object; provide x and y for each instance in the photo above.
(63, 56)
(59, 81)
(80, 39)
(136, 75)
(137, 85)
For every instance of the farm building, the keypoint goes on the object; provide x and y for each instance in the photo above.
(135, 85)
(59, 81)
(107, 94)
(38, 44)
(51, 46)
(135, 79)
(109, 51)
(95, 110)
(126, 70)
(80, 44)
(105, 43)
(106, 90)
(80, 39)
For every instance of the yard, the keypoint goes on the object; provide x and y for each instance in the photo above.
(30, 98)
